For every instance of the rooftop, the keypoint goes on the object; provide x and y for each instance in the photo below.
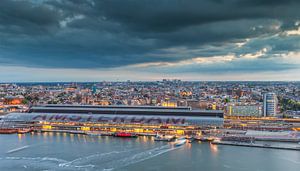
(132, 110)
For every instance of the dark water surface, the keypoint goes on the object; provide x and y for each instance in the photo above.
(61, 151)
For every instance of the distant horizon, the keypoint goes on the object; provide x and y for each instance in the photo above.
(148, 81)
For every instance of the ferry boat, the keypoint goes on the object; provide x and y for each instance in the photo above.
(125, 134)
(180, 142)
(164, 138)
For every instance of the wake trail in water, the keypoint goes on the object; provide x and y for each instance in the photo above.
(17, 149)
(145, 155)
(100, 157)
(99, 161)
(40, 159)
(21, 148)
(115, 159)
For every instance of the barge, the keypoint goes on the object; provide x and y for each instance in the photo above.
(125, 135)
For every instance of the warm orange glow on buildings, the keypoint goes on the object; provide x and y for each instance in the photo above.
(47, 127)
(169, 104)
(13, 100)
(84, 128)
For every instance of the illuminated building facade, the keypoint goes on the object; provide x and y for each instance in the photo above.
(145, 119)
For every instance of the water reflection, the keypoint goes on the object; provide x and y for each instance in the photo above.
(45, 134)
(130, 154)
(213, 148)
(21, 136)
(188, 145)
(71, 137)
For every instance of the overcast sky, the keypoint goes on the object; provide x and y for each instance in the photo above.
(93, 40)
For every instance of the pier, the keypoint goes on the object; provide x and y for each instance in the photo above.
(256, 145)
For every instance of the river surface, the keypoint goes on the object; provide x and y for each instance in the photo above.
(62, 151)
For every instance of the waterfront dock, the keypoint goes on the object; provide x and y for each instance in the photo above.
(256, 145)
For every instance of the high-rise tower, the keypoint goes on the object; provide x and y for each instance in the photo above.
(270, 104)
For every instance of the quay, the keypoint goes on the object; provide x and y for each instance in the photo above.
(255, 145)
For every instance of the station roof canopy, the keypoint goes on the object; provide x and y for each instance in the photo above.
(125, 110)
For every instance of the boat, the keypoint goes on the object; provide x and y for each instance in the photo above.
(125, 135)
(8, 131)
(180, 142)
(24, 130)
(164, 138)
(93, 133)
(203, 138)
(98, 133)
(190, 140)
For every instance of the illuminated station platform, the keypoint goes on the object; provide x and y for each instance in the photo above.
(138, 119)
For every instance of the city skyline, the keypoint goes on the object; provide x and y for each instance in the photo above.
(150, 85)
(145, 41)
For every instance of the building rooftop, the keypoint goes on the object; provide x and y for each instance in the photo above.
(125, 111)
(114, 106)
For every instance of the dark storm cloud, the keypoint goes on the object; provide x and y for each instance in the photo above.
(168, 15)
(21, 17)
(105, 34)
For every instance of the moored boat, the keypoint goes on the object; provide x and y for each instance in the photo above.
(125, 135)
(203, 138)
(8, 131)
(93, 133)
(24, 131)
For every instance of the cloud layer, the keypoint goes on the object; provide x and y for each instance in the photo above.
(157, 36)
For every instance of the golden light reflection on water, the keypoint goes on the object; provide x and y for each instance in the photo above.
(84, 138)
(64, 136)
(58, 136)
(106, 139)
(71, 137)
(188, 145)
(21, 136)
(152, 140)
(45, 135)
(99, 138)
(50, 135)
(213, 148)
(144, 139)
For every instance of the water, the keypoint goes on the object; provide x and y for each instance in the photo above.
(61, 151)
